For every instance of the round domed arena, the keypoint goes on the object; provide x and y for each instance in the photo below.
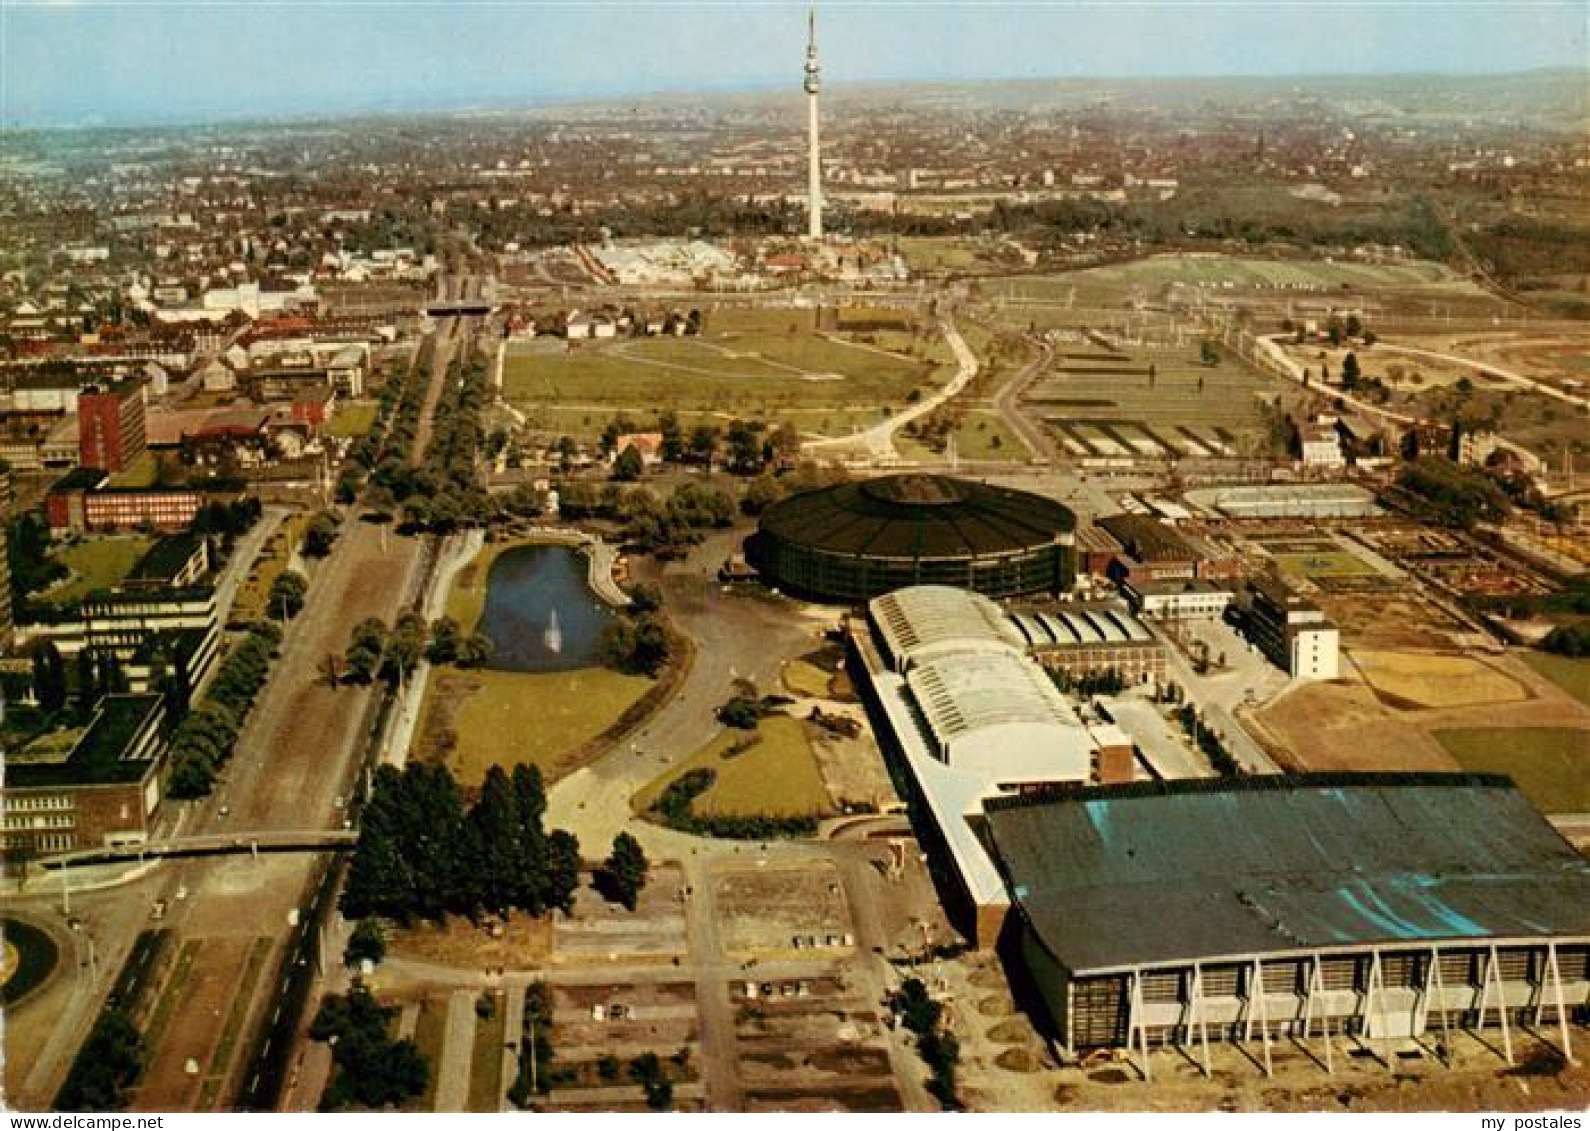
(861, 539)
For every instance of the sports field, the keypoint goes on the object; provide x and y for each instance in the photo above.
(1424, 679)
(771, 367)
(1324, 564)
(1550, 764)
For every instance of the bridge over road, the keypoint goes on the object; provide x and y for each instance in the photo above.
(210, 844)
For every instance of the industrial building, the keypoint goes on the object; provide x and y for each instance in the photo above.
(100, 789)
(111, 426)
(858, 540)
(1085, 640)
(1192, 599)
(1291, 630)
(1316, 908)
(1299, 500)
(153, 632)
(966, 715)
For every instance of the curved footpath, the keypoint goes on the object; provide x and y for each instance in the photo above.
(877, 442)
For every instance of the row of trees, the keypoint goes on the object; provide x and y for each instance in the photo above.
(374, 1069)
(376, 651)
(938, 1048)
(391, 436)
(446, 490)
(106, 1067)
(652, 523)
(1455, 496)
(423, 853)
(203, 740)
(1208, 741)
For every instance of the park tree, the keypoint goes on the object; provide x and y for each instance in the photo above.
(746, 454)
(365, 650)
(373, 1070)
(287, 592)
(1350, 372)
(367, 943)
(494, 835)
(405, 647)
(320, 535)
(629, 465)
(645, 597)
(673, 437)
(1207, 353)
(443, 648)
(623, 874)
(761, 493)
(563, 869)
(475, 650)
(704, 444)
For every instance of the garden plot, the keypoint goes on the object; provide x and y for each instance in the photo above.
(811, 1044)
(790, 912)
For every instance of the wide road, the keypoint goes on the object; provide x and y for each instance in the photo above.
(290, 770)
(1007, 401)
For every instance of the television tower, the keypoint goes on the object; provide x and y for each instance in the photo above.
(814, 166)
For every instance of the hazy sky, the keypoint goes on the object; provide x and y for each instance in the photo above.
(76, 61)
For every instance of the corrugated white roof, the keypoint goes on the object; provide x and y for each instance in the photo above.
(921, 620)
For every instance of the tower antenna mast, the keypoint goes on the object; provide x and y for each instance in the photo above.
(814, 164)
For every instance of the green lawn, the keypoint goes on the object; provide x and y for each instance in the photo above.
(485, 1061)
(1330, 563)
(1550, 764)
(778, 777)
(97, 563)
(480, 718)
(430, 1035)
(1572, 675)
(351, 420)
(772, 374)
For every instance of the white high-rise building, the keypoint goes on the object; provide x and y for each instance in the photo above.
(814, 168)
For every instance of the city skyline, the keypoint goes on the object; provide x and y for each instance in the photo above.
(78, 64)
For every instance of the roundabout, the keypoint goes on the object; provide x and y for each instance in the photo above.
(30, 957)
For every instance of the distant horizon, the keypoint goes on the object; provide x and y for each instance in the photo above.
(73, 64)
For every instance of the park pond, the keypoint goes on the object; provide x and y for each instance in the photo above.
(540, 612)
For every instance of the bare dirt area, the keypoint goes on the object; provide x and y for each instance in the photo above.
(811, 1044)
(1390, 724)
(519, 942)
(599, 1028)
(853, 771)
(1478, 1079)
(1391, 619)
(1344, 726)
(783, 912)
(601, 932)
